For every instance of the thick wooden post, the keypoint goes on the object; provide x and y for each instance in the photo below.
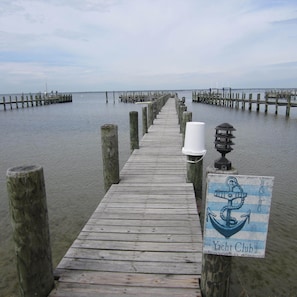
(4, 103)
(29, 216)
(182, 108)
(258, 102)
(250, 101)
(266, 102)
(243, 101)
(134, 140)
(187, 117)
(216, 269)
(144, 120)
(288, 105)
(150, 114)
(195, 176)
(110, 155)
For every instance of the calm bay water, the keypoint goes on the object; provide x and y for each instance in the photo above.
(65, 140)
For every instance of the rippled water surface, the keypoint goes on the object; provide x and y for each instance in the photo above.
(65, 140)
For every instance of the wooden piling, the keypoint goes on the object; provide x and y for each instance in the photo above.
(110, 155)
(250, 101)
(187, 117)
(134, 139)
(150, 114)
(29, 216)
(144, 120)
(288, 105)
(258, 102)
(4, 103)
(195, 176)
(216, 269)
(266, 103)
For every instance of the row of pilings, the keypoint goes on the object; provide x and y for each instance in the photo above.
(245, 101)
(30, 100)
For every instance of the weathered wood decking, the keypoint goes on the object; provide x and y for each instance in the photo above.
(144, 239)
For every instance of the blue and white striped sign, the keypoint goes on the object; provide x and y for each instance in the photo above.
(237, 215)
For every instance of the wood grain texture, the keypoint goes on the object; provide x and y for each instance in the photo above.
(144, 238)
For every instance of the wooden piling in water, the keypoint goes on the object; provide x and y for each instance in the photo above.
(195, 176)
(288, 105)
(216, 269)
(187, 117)
(29, 216)
(110, 155)
(144, 120)
(258, 102)
(150, 114)
(134, 139)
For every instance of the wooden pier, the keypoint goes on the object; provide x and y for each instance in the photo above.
(144, 238)
(30, 100)
(241, 101)
(134, 97)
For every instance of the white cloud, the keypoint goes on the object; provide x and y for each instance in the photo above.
(139, 44)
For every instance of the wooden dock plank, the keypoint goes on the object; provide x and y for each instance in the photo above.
(144, 238)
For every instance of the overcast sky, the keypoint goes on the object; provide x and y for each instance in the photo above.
(109, 45)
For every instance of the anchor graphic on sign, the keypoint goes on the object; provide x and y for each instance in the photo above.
(235, 197)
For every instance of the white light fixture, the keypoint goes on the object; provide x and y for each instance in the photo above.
(194, 144)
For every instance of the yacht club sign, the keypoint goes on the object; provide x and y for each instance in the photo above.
(237, 215)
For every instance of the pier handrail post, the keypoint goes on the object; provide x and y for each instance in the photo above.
(144, 120)
(134, 139)
(29, 217)
(110, 155)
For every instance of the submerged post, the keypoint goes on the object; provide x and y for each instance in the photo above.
(110, 155)
(134, 140)
(29, 216)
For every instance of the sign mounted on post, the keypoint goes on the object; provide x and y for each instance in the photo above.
(237, 215)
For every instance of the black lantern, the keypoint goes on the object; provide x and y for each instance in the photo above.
(223, 144)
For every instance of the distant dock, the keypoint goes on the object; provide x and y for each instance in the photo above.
(137, 97)
(144, 238)
(244, 102)
(21, 101)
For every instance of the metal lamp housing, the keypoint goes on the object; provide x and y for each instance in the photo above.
(223, 143)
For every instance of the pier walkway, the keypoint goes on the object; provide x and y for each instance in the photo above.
(144, 238)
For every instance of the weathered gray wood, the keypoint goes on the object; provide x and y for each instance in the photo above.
(134, 140)
(150, 114)
(144, 120)
(187, 117)
(195, 176)
(144, 238)
(28, 209)
(216, 271)
(124, 279)
(110, 155)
